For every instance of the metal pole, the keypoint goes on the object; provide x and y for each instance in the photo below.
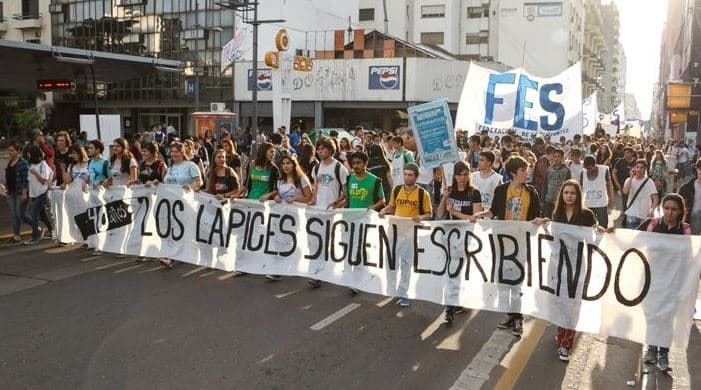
(254, 120)
(197, 58)
(97, 108)
(233, 64)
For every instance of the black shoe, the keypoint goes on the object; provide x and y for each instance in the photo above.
(316, 283)
(508, 323)
(458, 309)
(354, 291)
(449, 317)
(518, 328)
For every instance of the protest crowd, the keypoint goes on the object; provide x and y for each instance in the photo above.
(574, 181)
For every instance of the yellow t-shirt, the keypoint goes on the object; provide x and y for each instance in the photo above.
(407, 203)
(517, 202)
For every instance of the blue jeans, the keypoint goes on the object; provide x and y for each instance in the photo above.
(17, 209)
(632, 222)
(34, 214)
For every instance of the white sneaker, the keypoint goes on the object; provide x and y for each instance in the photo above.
(273, 278)
(563, 354)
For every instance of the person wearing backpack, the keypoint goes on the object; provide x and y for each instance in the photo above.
(671, 222)
(330, 177)
(642, 198)
(400, 157)
(514, 201)
(459, 201)
(39, 180)
(412, 201)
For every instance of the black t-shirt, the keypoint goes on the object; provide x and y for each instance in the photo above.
(11, 177)
(62, 161)
(151, 172)
(585, 218)
(233, 161)
(464, 200)
(623, 168)
(224, 184)
(380, 169)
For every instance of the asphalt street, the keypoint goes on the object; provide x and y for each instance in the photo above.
(71, 320)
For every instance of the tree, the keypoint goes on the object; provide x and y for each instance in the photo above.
(28, 120)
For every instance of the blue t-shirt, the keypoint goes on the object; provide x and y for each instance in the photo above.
(183, 173)
(99, 170)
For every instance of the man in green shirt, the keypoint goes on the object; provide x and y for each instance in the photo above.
(363, 190)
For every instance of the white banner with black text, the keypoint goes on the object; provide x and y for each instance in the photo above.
(635, 285)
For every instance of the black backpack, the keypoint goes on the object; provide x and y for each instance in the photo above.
(336, 172)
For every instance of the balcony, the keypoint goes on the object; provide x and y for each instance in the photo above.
(25, 21)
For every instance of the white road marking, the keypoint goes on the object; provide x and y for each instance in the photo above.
(335, 316)
(384, 302)
(477, 372)
(152, 269)
(128, 268)
(227, 275)
(194, 271)
(208, 273)
(91, 258)
(114, 264)
(432, 328)
(283, 295)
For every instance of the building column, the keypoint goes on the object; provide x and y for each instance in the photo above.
(318, 115)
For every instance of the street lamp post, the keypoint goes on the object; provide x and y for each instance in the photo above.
(248, 6)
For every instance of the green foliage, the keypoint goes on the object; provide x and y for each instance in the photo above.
(28, 120)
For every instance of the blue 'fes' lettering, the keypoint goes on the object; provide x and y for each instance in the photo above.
(524, 84)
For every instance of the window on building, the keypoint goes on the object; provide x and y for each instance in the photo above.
(30, 9)
(432, 38)
(433, 11)
(477, 38)
(477, 12)
(366, 14)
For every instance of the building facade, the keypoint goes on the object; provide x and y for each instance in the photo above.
(24, 21)
(593, 67)
(459, 27)
(614, 78)
(192, 31)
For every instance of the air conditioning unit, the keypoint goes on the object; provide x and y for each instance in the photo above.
(217, 107)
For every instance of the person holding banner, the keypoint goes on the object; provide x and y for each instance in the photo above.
(460, 201)
(410, 201)
(181, 172)
(569, 209)
(222, 181)
(77, 170)
(263, 175)
(152, 168)
(99, 167)
(514, 201)
(123, 165)
(671, 222)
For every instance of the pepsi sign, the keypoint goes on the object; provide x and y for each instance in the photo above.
(384, 77)
(264, 81)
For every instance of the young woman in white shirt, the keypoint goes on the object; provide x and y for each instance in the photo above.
(78, 170)
(39, 179)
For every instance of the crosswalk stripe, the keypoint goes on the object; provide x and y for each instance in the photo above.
(194, 271)
(208, 273)
(128, 268)
(227, 275)
(335, 316)
(152, 269)
(384, 302)
(91, 258)
(113, 264)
